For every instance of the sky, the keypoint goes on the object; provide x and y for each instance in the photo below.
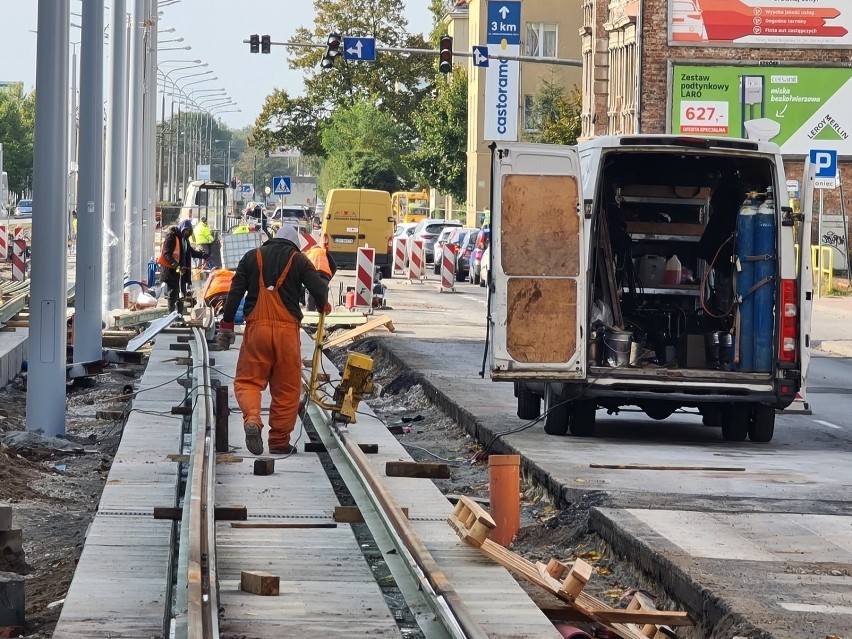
(216, 36)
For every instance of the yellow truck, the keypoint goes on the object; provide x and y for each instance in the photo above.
(409, 206)
(356, 218)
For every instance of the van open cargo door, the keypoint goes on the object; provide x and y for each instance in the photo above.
(804, 268)
(538, 264)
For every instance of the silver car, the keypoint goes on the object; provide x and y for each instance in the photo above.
(24, 208)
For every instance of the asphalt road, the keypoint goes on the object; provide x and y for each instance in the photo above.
(770, 541)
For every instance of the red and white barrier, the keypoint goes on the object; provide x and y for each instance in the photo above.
(307, 241)
(18, 233)
(19, 263)
(4, 243)
(416, 261)
(365, 267)
(800, 405)
(448, 269)
(400, 249)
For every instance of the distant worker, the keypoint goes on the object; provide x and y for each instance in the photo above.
(241, 229)
(271, 278)
(324, 264)
(176, 259)
(263, 218)
(203, 237)
(72, 238)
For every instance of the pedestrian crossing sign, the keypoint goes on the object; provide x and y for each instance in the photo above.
(281, 185)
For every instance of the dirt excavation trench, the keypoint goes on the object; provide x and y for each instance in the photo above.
(549, 527)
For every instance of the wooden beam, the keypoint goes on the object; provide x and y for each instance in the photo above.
(729, 469)
(382, 320)
(352, 514)
(264, 466)
(222, 513)
(259, 583)
(423, 470)
(288, 524)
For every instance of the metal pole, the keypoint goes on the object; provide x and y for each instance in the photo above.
(116, 157)
(48, 294)
(88, 335)
(135, 145)
(819, 245)
(150, 138)
(72, 148)
(846, 251)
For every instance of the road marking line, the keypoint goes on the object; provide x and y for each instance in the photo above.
(829, 424)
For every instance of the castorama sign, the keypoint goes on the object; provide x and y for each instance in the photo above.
(502, 78)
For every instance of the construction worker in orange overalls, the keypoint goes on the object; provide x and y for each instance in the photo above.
(324, 264)
(271, 278)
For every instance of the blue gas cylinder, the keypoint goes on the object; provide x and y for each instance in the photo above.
(764, 296)
(153, 269)
(239, 316)
(744, 345)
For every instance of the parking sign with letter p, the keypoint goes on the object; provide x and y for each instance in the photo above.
(825, 163)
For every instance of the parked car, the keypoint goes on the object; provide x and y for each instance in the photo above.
(428, 231)
(464, 254)
(483, 241)
(24, 208)
(297, 216)
(404, 227)
(485, 267)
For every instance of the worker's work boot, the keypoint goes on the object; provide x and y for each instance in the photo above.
(254, 442)
(289, 449)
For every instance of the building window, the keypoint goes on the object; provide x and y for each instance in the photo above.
(541, 39)
(529, 120)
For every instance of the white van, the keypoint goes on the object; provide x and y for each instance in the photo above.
(724, 329)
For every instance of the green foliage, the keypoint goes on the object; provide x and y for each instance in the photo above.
(440, 160)
(556, 116)
(438, 9)
(17, 126)
(364, 148)
(393, 83)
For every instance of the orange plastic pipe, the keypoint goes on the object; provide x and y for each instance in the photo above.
(504, 485)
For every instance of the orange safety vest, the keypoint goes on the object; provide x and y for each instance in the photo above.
(162, 261)
(319, 258)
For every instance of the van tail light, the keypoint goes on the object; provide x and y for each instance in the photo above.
(326, 240)
(788, 347)
(467, 252)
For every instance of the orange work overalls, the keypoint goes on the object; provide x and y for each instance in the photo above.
(271, 353)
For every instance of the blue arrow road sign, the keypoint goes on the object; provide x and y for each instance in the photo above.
(246, 188)
(480, 56)
(504, 22)
(281, 185)
(363, 49)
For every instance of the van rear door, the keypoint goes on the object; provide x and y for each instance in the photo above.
(346, 213)
(538, 264)
(804, 268)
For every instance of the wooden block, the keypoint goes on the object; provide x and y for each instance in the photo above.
(577, 579)
(314, 447)
(180, 347)
(179, 458)
(109, 415)
(482, 501)
(259, 583)
(556, 568)
(183, 361)
(181, 410)
(423, 470)
(287, 524)
(222, 513)
(264, 466)
(369, 449)
(183, 339)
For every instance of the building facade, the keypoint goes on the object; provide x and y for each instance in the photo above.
(769, 70)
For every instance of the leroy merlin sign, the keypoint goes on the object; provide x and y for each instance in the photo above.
(798, 108)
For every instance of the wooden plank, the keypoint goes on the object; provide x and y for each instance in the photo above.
(382, 320)
(542, 315)
(222, 513)
(730, 469)
(259, 583)
(284, 525)
(352, 514)
(422, 470)
(264, 466)
(310, 318)
(663, 228)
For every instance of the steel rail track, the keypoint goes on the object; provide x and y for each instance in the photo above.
(196, 611)
(428, 579)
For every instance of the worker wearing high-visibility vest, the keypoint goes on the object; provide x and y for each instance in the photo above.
(176, 259)
(324, 264)
(202, 236)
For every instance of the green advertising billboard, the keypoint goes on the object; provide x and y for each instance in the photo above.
(797, 108)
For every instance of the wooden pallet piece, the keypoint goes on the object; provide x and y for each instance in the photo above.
(474, 525)
(355, 333)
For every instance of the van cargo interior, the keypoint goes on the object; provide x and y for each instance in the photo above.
(683, 260)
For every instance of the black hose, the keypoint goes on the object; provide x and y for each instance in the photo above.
(493, 148)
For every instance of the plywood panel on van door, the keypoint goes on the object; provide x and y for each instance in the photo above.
(541, 323)
(540, 225)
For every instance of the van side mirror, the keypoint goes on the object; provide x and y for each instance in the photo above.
(587, 208)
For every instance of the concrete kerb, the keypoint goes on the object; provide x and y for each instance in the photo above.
(714, 612)
(843, 348)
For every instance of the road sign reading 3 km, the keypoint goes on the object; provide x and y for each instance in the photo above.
(504, 22)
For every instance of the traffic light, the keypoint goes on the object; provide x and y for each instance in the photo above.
(265, 44)
(233, 183)
(332, 50)
(445, 54)
(254, 43)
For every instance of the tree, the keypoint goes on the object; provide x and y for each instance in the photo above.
(440, 160)
(555, 115)
(17, 127)
(364, 148)
(395, 82)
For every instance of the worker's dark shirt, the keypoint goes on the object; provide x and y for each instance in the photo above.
(187, 252)
(276, 253)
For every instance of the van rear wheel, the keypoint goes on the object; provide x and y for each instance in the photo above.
(735, 422)
(529, 404)
(558, 415)
(762, 426)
